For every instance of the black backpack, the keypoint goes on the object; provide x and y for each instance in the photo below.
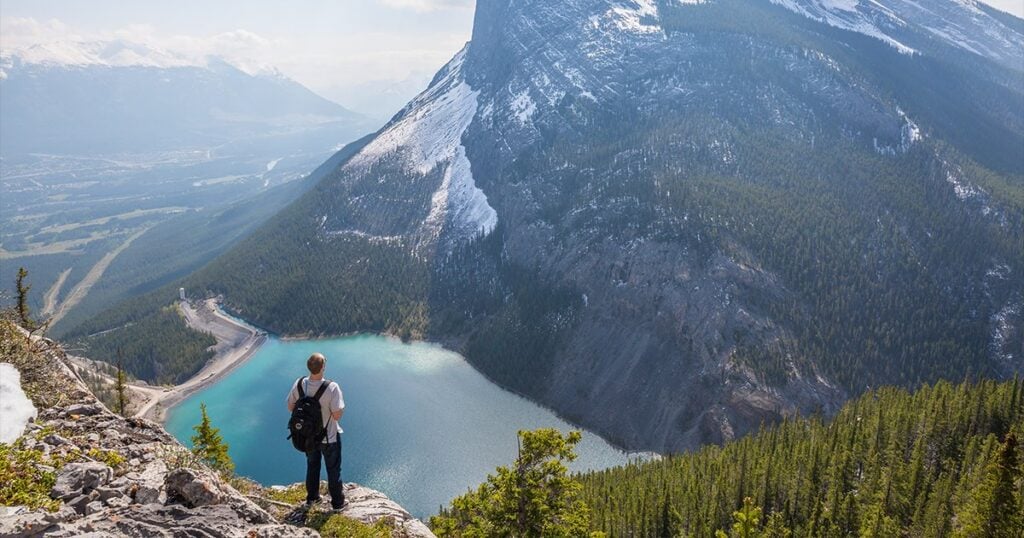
(306, 428)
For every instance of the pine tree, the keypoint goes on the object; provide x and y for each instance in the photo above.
(24, 313)
(993, 509)
(208, 445)
(746, 522)
(534, 497)
(121, 385)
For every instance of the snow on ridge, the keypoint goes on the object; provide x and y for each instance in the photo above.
(845, 14)
(630, 16)
(15, 408)
(429, 134)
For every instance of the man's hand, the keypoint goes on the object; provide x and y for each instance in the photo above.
(336, 415)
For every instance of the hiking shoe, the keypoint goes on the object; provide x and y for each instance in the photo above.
(344, 504)
(310, 504)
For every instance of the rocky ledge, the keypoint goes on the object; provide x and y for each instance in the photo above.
(116, 476)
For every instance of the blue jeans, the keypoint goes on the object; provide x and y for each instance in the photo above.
(332, 459)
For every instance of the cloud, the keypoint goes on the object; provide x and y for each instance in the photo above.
(374, 42)
(142, 44)
(428, 5)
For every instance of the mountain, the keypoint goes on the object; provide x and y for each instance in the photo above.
(119, 96)
(672, 221)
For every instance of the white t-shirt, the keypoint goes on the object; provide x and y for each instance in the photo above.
(331, 401)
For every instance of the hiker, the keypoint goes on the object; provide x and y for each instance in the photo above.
(318, 434)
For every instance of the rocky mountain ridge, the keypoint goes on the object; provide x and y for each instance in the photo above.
(116, 476)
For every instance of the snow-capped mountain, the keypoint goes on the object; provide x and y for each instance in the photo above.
(119, 96)
(912, 27)
(672, 220)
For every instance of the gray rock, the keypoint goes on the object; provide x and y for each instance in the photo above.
(369, 506)
(150, 483)
(8, 511)
(174, 521)
(107, 493)
(83, 409)
(79, 503)
(150, 495)
(194, 488)
(55, 440)
(93, 508)
(93, 438)
(76, 478)
(118, 502)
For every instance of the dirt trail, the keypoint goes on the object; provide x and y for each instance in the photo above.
(50, 299)
(82, 288)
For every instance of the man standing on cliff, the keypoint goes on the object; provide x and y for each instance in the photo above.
(332, 406)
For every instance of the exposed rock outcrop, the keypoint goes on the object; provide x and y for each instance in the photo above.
(368, 506)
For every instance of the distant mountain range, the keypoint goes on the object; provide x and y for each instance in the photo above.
(118, 96)
(673, 220)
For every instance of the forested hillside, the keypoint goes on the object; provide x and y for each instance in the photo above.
(945, 460)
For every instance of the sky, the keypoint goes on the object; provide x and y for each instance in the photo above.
(371, 55)
(337, 48)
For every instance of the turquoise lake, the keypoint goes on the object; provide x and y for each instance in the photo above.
(421, 425)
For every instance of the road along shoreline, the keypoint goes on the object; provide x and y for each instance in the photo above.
(237, 342)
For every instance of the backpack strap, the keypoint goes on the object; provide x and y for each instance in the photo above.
(323, 388)
(298, 385)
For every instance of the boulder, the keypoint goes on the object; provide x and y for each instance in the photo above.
(77, 478)
(83, 409)
(369, 506)
(150, 483)
(173, 521)
(194, 488)
(94, 507)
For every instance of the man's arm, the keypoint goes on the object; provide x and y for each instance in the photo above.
(293, 396)
(337, 403)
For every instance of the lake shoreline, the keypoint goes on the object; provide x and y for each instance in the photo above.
(237, 342)
(179, 393)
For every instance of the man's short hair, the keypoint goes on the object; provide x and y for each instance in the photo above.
(315, 363)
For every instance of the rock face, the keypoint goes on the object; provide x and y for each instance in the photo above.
(137, 480)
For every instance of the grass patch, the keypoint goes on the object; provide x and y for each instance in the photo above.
(109, 457)
(295, 494)
(338, 526)
(26, 477)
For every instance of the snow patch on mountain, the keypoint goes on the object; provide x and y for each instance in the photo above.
(428, 134)
(846, 14)
(523, 107)
(960, 23)
(634, 16)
